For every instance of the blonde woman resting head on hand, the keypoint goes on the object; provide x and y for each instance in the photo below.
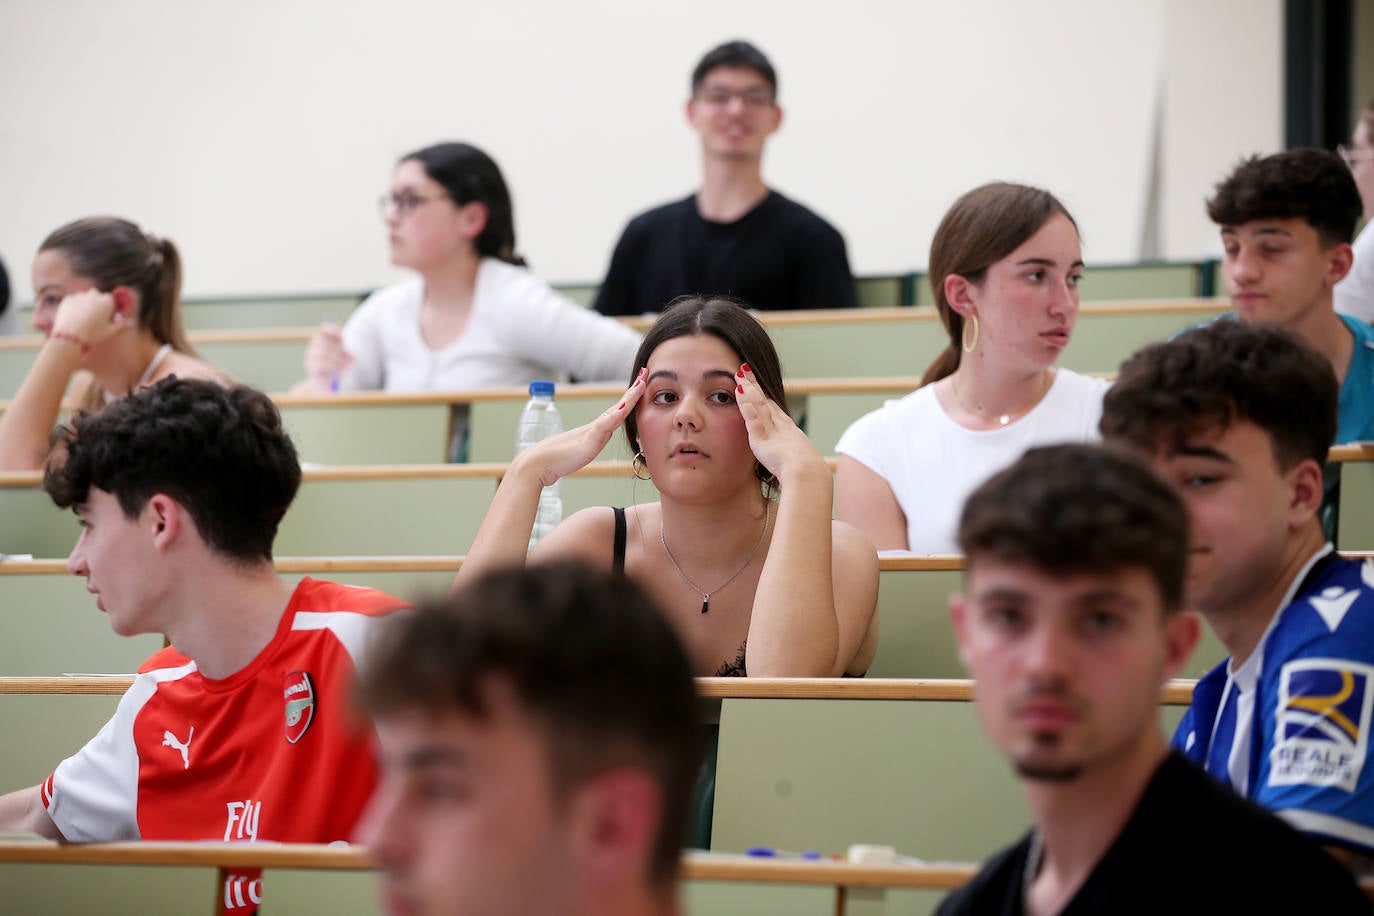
(740, 552)
(107, 298)
(1004, 266)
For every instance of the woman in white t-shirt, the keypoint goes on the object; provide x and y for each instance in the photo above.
(1004, 266)
(474, 317)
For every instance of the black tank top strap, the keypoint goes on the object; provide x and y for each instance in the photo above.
(618, 559)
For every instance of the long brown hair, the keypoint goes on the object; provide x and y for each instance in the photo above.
(112, 252)
(984, 226)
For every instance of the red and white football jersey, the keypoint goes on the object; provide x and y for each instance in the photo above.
(271, 753)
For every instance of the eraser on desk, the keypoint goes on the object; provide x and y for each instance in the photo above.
(865, 854)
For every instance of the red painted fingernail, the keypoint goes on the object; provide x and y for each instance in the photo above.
(746, 368)
(739, 374)
(740, 389)
(620, 406)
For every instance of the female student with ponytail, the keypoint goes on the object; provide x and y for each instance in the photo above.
(108, 300)
(1004, 267)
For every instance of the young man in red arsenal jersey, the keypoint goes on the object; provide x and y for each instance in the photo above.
(539, 738)
(241, 729)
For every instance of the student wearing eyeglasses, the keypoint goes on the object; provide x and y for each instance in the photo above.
(473, 317)
(735, 235)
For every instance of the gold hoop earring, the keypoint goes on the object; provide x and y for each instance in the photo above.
(970, 320)
(638, 462)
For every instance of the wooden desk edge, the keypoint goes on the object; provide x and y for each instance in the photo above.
(1175, 692)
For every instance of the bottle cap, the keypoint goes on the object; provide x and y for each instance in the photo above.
(868, 854)
(541, 388)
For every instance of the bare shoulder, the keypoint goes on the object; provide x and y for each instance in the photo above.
(587, 535)
(184, 365)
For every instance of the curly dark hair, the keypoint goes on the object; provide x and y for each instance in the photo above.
(1310, 184)
(1212, 376)
(221, 452)
(586, 652)
(1069, 509)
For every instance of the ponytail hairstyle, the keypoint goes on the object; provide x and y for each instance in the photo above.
(112, 252)
(984, 226)
(469, 174)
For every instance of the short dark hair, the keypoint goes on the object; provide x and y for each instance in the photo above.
(1310, 184)
(1212, 376)
(1069, 509)
(735, 54)
(586, 652)
(728, 319)
(219, 451)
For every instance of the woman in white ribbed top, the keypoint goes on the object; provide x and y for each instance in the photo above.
(474, 317)
(1004, 267)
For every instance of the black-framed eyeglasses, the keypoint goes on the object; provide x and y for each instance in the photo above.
(405, 203)
(719, 97)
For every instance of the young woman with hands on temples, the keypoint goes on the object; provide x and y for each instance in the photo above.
(108, 300)
(740, 552)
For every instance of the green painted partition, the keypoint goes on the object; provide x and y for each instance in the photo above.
(389, 516)
(30, 524)
(268, 311)
(1356, 520)
(50, 625)
(351, 434)
(110, 890)
(1102, 341)
(273, 365)
(824, 774)
(882, 291)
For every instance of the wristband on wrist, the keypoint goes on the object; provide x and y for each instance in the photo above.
(71, 338)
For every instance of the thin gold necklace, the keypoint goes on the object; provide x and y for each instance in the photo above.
(1005, 418)
(706, 596)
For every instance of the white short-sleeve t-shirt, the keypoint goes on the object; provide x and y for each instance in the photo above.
(933, 463)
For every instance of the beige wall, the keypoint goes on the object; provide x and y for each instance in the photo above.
(258, 134)
(1223, 89)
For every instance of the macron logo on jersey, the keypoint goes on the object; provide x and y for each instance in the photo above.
(170, 740)
(1333, 603)
(1322, 725)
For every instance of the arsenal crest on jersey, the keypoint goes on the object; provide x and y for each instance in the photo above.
(300, 704)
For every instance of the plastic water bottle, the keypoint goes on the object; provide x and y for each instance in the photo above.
(540, 420)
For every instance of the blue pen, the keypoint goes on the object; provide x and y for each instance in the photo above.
(769, 852)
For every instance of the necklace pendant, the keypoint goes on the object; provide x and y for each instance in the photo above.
(705, 603)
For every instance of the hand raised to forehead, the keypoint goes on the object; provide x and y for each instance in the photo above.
(558, 456)
(775, 439)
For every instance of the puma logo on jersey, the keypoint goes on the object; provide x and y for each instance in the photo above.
(170, 740)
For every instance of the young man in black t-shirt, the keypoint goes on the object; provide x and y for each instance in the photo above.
(735, 236)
